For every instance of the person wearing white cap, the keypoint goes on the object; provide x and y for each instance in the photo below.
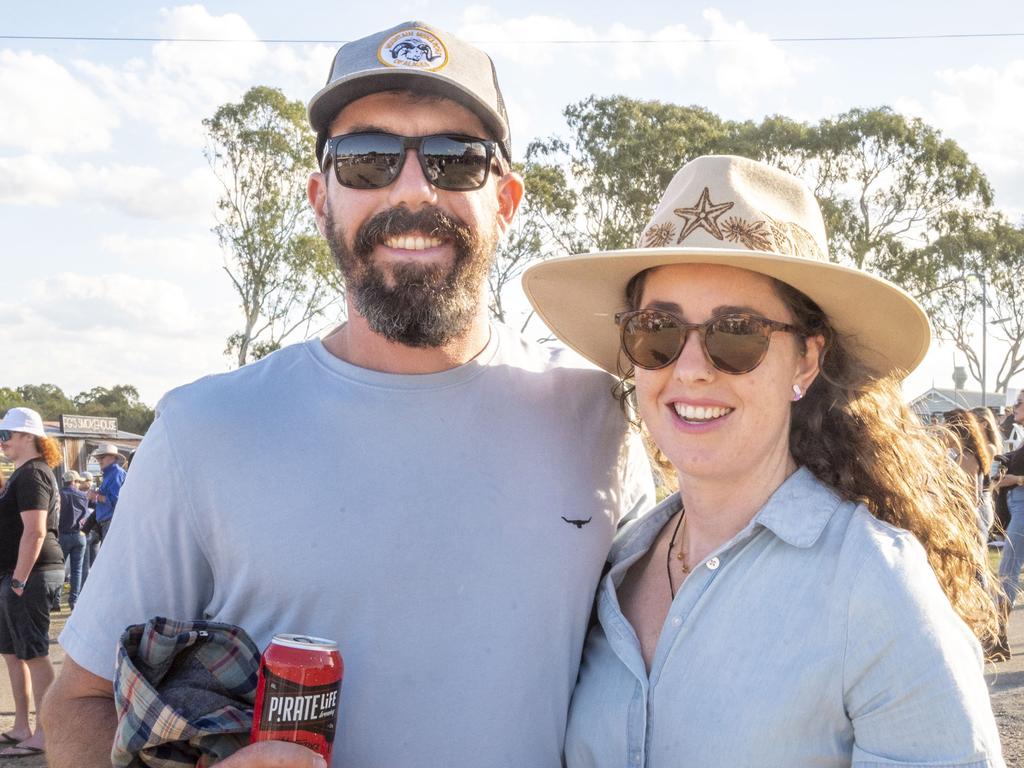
(809, 596)
(447, 489)
(31, 570)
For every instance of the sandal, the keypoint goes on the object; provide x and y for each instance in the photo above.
(18, 751)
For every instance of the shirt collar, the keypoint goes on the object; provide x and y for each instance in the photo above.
(796, 513)
(799, 509)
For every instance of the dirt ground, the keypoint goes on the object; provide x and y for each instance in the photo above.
(1005, 681)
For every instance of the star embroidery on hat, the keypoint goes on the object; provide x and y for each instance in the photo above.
(703, 215)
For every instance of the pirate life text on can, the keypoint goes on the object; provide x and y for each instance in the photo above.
(298, 692)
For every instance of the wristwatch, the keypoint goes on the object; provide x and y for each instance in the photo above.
(15, 584)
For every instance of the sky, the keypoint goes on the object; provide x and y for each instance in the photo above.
(109, 271)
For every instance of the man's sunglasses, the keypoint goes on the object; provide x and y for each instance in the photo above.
(737, 343)
(374, 160)
(5, 435)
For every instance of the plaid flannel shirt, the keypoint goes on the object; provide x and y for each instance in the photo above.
(184, 692)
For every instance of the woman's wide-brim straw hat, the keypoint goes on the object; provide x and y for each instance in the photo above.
(741, 213)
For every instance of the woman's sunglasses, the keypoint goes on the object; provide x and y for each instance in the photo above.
(737, 343)
(374, 160)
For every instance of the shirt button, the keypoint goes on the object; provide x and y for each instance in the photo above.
(635, 757)
(677, 622)
(712, 564)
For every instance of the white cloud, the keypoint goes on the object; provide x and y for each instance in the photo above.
(150, 193)
(182, 83)
(982, 108)
(114, 303)
(750, 63)
(84, 355)
(199, 257)
(117, 328)
(530, 45)
(200, 62)
(137, 191)
(752, 76)
(743, 70)
(45, 107)
(33, 180)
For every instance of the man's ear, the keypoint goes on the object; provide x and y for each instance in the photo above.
(316, 193)
(510, 194)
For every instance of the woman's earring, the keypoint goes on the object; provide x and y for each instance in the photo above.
(797, 394)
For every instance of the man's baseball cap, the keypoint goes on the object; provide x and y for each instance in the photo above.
(23, 420)
(417, 57)
(71, 477)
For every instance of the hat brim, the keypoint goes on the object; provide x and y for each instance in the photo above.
(23, 429)
(330, 99)
(578, 296)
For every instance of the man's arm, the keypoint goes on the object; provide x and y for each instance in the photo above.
(79, 720)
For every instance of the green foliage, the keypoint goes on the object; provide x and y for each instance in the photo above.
(598, 191)
(121, 401)
(890, 181)
(50, 401)
(261, 150)
(976, 262)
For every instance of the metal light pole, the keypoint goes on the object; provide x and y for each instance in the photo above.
(984, 341)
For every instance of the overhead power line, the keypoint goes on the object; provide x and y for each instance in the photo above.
(641, 41)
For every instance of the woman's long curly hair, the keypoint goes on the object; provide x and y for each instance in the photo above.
(853, 431)
(49, 450)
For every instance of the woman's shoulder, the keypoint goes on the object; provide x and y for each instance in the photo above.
(866, 538)
(886, 571)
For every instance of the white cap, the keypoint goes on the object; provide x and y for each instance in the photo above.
(24, 420)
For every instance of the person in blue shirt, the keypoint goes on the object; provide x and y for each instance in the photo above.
(110, 487)
(809, 596)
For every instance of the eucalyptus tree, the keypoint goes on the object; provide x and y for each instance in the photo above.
(261, 150)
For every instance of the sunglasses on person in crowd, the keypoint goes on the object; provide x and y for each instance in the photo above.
(373, 160)
(734, 343)
(5, 435)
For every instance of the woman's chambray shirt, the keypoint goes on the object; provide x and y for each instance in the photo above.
(817, 637)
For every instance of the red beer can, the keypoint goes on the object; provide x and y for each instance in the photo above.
(298, 692)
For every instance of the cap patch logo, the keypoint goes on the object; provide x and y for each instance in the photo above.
(416, 48)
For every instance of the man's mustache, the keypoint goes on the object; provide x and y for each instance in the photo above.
(431, 222)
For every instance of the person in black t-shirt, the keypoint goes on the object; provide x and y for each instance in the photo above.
(31, 569)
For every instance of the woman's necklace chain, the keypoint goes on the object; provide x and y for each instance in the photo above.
(681, 555)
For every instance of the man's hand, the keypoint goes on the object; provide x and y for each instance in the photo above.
(273, 754)
(79, 719)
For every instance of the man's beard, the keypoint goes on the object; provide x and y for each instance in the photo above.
(428, 305)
